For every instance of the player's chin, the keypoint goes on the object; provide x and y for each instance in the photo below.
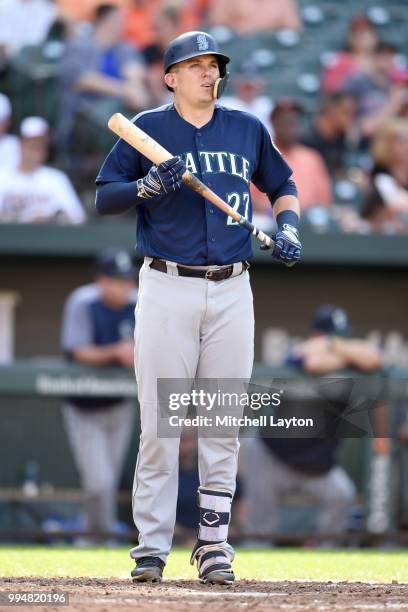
(205, 97)
(206, 92)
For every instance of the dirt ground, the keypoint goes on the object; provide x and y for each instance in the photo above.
(105, 595)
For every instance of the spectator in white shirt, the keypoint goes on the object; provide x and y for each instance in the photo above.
(23, 23)
(9, 144)
(34, 192)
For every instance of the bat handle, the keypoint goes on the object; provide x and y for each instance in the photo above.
(266, 240)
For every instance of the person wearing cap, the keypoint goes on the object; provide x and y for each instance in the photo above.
(195, 312)
(9, 144)
(304, 464)
(330, 346)
(34, 192)
(97, 330)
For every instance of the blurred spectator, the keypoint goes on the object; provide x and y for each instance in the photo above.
(167, 26)
(97, 330)
(85, 10)
(140, 19)
(248, 94)
(9, 145)
(98, 71)
(331, 131)
(304, 161)
(357, 57)
(400, 469)
(251, 16)
(379, 93)
(402, 432)
(23, 23)
(142, 14)
(303, 464)
(386, 205)
(33, 192)
(331, 348)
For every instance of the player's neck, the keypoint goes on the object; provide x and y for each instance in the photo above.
(195, 115)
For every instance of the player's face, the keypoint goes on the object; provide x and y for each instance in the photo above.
(116, 292)
(194, 79)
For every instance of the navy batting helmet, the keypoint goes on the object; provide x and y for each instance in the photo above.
(192, 44)
(329, 319)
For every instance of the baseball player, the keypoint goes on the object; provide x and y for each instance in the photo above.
(195, 311)
(97, 330)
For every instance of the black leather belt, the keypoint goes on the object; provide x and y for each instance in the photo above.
(211, 274)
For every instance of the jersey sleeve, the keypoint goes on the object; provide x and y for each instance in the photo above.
(123, 163)
(77, 324)
(271, 170)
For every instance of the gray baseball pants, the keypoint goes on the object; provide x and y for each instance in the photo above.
(334, 491)
(99, 441)
(185, 328)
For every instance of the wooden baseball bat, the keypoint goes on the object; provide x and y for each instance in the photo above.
(151, 149)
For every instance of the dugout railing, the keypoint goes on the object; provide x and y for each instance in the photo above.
(30, 394)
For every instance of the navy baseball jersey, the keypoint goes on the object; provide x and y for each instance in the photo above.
(231, 150)
(89, 321)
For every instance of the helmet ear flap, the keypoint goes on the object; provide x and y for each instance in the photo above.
(220, 85)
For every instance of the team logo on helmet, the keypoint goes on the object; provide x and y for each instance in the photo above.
(202, 42)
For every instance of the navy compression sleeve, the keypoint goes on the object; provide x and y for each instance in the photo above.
(286, 188)
(116, 197)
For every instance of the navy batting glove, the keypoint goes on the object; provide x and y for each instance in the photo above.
(287, 245)
(162, 180)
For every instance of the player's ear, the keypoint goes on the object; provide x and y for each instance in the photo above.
(170, 79)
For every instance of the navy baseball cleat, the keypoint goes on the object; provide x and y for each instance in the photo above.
(148, 569)
(214, 563)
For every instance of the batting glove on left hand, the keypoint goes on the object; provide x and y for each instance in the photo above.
(161, 180)
(287, 245)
